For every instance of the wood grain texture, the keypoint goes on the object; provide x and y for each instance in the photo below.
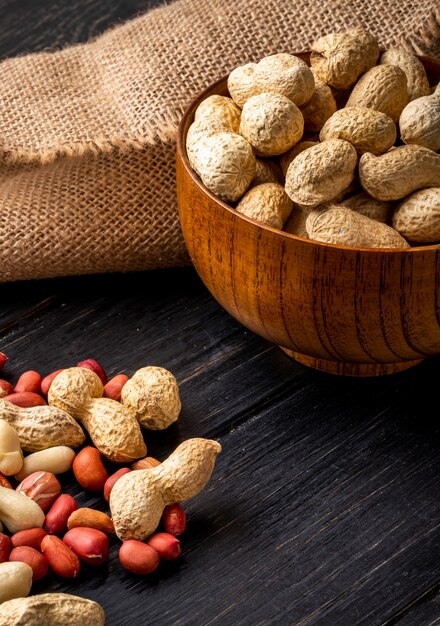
(348, 310)
(324, 507)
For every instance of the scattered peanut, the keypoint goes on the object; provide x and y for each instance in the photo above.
(113, 388)
(112, 427)
(28, 381)
(138, 499)
(109, 483)
(33, 558)
(89, 544)
(42, 487)
(15, 582)
(5, 388)
(147, 463)
(91, 518)
(56, 460)
(89, 469)
(47, 381)
(52, 609)
(62, 560)
(95, 367)
(11, 456)
(25, 399)
(152, 394)
(18, 512)
(174, 519)
(5, 547)
(138, 557)
(31, 537)
(42, 427)
(59, 514)
(168, 546)
(4, 482)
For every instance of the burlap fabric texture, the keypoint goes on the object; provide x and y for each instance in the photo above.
(87, 133)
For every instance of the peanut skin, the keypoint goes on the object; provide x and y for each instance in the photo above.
(138, 499)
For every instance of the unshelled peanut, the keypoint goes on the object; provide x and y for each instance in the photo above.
(138, 499)
(52, 609)
(112, 427)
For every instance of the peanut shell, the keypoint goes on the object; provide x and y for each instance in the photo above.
(52, 609)
(319, 108)
(152, 394)
(420, 122)
(418, 84)
(338, 59)
(321, 172)
(366, 129)
(383, 88)
(271, 123)
(42, 427)
(417, 217)
(340, 225)
(399, 172)
(267, 203)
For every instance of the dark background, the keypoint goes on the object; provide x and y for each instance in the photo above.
(324, 507)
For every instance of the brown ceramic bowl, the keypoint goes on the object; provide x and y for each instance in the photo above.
(351, 311)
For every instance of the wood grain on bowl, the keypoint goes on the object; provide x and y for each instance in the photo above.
(352, 311)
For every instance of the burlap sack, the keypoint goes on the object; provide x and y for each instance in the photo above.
(87, 133)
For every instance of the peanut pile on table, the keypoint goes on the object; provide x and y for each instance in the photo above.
(76, 420)
(343, 151)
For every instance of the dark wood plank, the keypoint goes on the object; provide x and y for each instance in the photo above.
(324, 498)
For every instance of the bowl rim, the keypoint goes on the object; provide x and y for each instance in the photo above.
(181, 151)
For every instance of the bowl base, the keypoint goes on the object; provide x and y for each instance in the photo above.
(350, 369)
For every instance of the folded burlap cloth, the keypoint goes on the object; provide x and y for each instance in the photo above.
(87, 134)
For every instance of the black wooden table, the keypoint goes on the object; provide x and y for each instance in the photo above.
(324, 507)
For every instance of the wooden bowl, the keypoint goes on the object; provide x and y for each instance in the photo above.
(344, 310)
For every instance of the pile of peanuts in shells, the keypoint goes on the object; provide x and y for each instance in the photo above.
(75, 420)
(344, 151)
